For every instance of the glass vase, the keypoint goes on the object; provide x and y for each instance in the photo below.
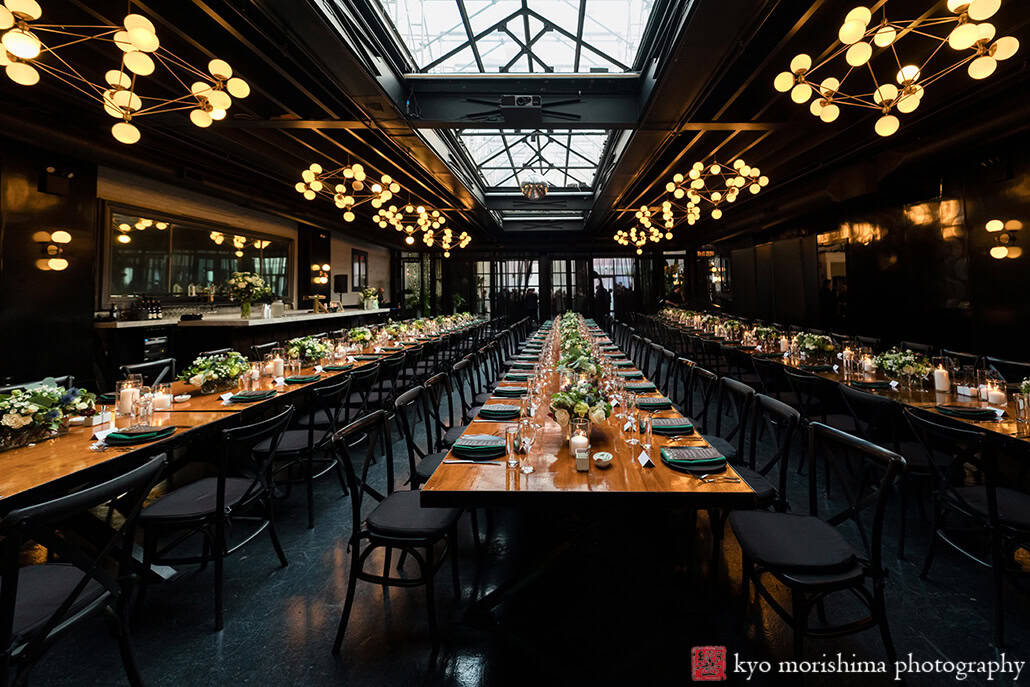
(245, 310)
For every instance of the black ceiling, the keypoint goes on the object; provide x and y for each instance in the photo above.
(331, 90)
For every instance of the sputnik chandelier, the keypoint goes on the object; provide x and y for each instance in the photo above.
(347, 187)
(534, 187)
(637, 236)
(414, 218)
(646, 229)
(25, 55)
(967, 34)
(713, 184)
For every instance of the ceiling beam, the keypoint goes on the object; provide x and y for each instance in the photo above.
(559, 202)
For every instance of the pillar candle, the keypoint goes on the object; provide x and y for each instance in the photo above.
(941, 379)
(162, 401)
(277, 367)
(867, 364)
(996, 396)
(578, 442)
(126, 399)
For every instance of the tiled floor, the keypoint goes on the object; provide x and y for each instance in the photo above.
(622, 605)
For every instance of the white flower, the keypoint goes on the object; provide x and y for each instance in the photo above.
(15, 421)
(597, 415)
(197, 379)
(562, 417)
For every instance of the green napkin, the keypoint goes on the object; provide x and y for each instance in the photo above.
(968, 413)
(641, 387)
(817, 368)
(499, 411)
(634, 374)
(522, 366)
(105, 399)
(875, 384)
(393, 348)
(693, 457)
(338, 368)
(137, 435)
(517, 376)
(368, 356)
(251, 396)
(479, 446)
(671, 426)
(769, 354)
(623, 363)
(660, 403)
(509, 391)
(302, 379)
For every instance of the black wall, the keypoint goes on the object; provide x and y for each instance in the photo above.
(924, 273)
(46, 318)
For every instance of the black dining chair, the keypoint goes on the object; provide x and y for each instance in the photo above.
(732, 405)
(961, 359)
(1011, 371)
(360, 400)
(40, 603)
(679, 385)
(152, 371)
(67, 381)
(872, 342)
(398, 521)
(421, 442)
(925, 349)
(215, 351)
(259, 351)
(702, 388)
(307, 446)
(212, 507)
(810, 555)
(448, 426)
(461, 375)
(969, 489)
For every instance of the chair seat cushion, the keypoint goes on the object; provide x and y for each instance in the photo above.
(41, 591)
(1013, 506)
(785, 542)
(427, 466)
(293, 441)
(401, 515)
(765, 491)
(196, 499)
(721, 445)
(452, 434)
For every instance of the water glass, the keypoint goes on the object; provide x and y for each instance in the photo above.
(511, 437)
(143, 406)
(245, 382)
(646, 430)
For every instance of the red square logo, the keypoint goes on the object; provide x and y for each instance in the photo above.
(709, 663)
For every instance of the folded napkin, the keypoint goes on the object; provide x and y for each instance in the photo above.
(659, 403)
(610, 347)
(251, 396)
(410, 343)
(302, 379)
(747, 347)
(499, 411)
(632, 374)
(641, 387)
(615, 355)
(368, 356)
(817, 368)
(479, 446)
(137, 435)
(105, 399)
(875, 384)
(623, 363)
(393, 348)
(694, 459)
(769, 354)
(338, 368)
(509, 391)
(517, 376)
(522, 366)
(425, 338)
(969, 413)
(671, 426)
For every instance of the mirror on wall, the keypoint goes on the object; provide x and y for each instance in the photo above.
(152, 254)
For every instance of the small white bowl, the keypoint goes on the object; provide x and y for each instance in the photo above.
(181, 398)
(602, 459)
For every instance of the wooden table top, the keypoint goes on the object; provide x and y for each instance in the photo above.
(67, 458)
(555, 479)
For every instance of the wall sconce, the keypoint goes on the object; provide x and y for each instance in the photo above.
(1004, 238)
(321, 273)
(52, 246)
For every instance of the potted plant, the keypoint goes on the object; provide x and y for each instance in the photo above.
(40, 412)
(246, 288)
(215, 373)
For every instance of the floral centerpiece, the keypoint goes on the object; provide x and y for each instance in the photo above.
(308, 348)
(213, 373)
(903, 363)
(580, 399)
(1024, 386)
(708, 321)
(359, 335)
(40, 412)
(767, 334)
(370, 297)
(246, 288)
(734, 329)
(810, 344)
(394, 330)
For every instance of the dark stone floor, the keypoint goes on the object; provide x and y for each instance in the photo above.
(623, 605)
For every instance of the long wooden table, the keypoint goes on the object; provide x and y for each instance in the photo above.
(63, 462)
(555, 479)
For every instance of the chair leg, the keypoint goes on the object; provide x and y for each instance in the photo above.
(274, 534)
(340, 476)
(452, 551)
(474, 519)
(428, 575)
(932, 548)
(120, 626)
(747, 569)
(309, 482)
(149, 549)
(885, 631)
(902, 517)
(998, 582)
(219, 555)
(352, 581)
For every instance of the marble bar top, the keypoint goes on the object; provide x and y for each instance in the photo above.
(234, 320)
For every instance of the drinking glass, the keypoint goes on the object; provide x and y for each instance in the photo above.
(511, 434)
(162, 396)
(646, 431)
(633, 416)
(143, 405)
(244, 382)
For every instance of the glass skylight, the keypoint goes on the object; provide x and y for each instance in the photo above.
(563, 157)
(516, 36)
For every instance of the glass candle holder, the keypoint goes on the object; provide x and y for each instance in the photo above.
(126, 392)
(162, 397)
(579, 434)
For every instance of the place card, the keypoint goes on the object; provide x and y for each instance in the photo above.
(101, 434)
(966, 390)
(894, 386)
(836, 368)
(279, 381)
(226, 396)
(318, 368)
(645, 460)
(628, 426)
(351, 359)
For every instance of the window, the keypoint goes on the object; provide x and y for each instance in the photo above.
(154, 254)
(675, 274)
(359, 268)
(614, 285)
(563, 285)
(483, 284)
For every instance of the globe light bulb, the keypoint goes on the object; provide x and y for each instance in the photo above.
(124, 238)
(57, 264)
(800, 63)
(61, 236)
(22, 74)
(219, 100)
(908, 74)
(1014, 252)
(858, 54)
(348, 216)
(995, 225)
(801, 93)
(982, 67)
(851, 32)
(144, 39)
(237, 87)
(999, 252)
(829, 86)
(6, 18)
(860, 14)
(886, 92)
(980, 10)
(884, 36)
(887, 125)
(203, 120)
(1004, 48)
(21, 43)
(309, 194)
(125, 132)
(783, 82)
(716, 213)
(219, 69)
(138, 63)
(963, 37)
